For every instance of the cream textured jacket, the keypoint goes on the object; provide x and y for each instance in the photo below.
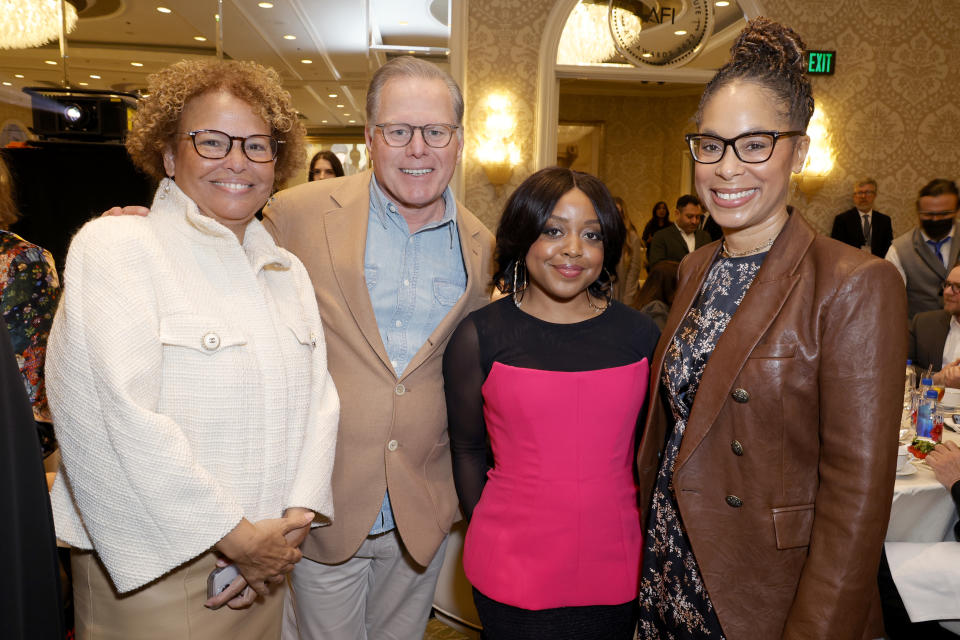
(187, 377)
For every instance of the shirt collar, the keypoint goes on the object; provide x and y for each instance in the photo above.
(385, 208)
(682, 232)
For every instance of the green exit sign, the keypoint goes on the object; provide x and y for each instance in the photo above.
(821, 62)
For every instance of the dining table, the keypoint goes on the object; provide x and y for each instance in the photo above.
(923, 554)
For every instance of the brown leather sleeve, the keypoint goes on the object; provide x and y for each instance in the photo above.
(861, 390)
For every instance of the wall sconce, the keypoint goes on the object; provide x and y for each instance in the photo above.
(497, 152)
(819, 160)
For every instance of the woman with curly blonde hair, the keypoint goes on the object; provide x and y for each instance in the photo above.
(187, 375)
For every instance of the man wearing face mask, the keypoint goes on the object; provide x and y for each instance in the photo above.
(925, 254)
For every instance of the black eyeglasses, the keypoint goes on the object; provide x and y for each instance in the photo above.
(953, 286)
(214, 145)
(398, 134)
(752, 147)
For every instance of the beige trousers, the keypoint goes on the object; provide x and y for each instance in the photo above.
(168, 609)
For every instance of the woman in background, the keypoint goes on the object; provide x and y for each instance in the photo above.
(323, 165)
(29, 292)
(768, 461)
(187, 374)
(555, 373)
(656, 294)
(660, 219)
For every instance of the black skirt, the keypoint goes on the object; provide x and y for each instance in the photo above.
(595, 622)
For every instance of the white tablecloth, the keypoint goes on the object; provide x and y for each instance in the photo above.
(923, 555)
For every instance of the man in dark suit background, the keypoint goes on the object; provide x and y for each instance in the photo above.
(935, 336)
(682, 237)
(861, 226)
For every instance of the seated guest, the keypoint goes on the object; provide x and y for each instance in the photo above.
(923, 254)
(935, 336)
(29, 291)
(681, 238)
(659, 219)
(861, 226)
(656, 294)
(324, 165)
(187, 374)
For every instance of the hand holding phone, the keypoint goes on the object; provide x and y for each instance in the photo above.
(221, 578)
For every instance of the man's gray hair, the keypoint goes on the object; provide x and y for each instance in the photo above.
(863, 181)
(410, 67)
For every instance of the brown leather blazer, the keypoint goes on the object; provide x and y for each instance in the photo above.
(785, 475)
(393, 431)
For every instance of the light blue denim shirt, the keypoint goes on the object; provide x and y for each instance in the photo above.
(414, 279)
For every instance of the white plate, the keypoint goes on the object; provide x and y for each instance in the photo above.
(908, 470)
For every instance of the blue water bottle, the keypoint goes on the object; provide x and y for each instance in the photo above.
(926, 414)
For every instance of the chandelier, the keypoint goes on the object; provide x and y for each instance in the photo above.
(31, 23)
(586, 37)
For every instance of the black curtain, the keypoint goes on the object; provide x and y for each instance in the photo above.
(30, 606)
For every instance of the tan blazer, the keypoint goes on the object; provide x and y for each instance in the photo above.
(393, 432)
(785, 475)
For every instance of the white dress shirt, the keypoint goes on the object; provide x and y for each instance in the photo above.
(951, 347)
(689, 238)
(894, 258)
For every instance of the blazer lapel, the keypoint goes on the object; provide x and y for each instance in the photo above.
(760, 306)
(472, 251)
(346, 226)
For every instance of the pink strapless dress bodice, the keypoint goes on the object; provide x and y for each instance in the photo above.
(557, 523)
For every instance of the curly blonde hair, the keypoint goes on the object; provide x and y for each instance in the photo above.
(158, 115)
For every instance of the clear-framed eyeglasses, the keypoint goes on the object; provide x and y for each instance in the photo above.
(752, 147)
(399, 134)
(214, 145)
(953, 287)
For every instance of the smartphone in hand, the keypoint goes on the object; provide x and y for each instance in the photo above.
(220, 578)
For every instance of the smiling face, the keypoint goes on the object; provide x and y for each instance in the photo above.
(742, 196)
(414, 177)
(567, 257)
(232, 189)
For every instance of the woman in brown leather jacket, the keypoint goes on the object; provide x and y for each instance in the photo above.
(768, 461)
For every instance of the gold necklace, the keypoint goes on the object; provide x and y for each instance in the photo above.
(726, 253)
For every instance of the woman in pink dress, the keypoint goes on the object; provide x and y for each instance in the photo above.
(556, 375)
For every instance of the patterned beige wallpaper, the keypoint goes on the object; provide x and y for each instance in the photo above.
(893, 104)
(644, 151)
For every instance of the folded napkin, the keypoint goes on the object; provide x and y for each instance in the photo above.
(927, 575)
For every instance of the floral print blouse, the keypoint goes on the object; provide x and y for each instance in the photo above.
(674, 602)
(29, 292)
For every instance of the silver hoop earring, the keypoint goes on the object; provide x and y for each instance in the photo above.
(518, 288)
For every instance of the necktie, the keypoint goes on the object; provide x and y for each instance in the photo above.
(866, 229)
(935, 245)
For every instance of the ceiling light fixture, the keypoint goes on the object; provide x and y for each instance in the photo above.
(306, 61)
(49, 62)
(28, 23)
(323, 122)
(199, 38)
(289, 36)
(722, 3)
(164, 10)
(94, 76)
(353, 122)
(679, 32)
(331, 95)
(136, 64)
(84, 84)
(265, 5)
(7, 84)
(18, 75)
(346, 115)
(339, 106)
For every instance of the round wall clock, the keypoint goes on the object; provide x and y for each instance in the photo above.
(668, 33)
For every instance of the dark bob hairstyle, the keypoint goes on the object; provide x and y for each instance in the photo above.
(526, 215)
(330, 157)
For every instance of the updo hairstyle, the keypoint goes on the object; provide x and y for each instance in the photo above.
(771, 56)
(528, 210)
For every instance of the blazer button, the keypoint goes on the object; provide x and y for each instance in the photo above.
(211, 341)
(737, 447)
(734, 501)
(392, 445)
(400, 389)
(740, 395)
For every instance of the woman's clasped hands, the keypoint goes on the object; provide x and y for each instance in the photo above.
(264, 552)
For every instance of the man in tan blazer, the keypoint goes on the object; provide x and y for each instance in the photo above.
(396, 263)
